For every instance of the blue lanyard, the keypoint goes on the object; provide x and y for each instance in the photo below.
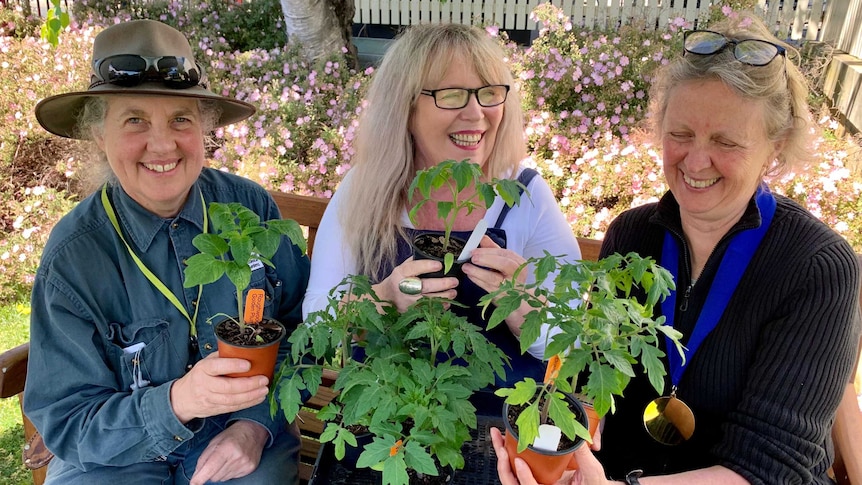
(739, 253)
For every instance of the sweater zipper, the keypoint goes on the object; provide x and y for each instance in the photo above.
(684, 305)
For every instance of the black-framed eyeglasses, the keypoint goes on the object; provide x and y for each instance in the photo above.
(129, 70)
(754, 52)
(457, 98)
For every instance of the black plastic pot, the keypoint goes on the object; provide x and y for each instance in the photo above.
(456, 244)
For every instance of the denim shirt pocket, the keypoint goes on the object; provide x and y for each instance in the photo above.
(144, 353)
(266, 279)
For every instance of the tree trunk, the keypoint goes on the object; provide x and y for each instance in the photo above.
(322, 27)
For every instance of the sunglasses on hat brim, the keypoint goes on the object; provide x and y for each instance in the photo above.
(129, 70)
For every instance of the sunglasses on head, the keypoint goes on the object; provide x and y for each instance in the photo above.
(129, 70)
(754, 52)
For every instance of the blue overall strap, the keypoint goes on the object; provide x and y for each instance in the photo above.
(526, 176)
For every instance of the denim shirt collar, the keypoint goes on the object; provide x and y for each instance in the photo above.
(141, 225)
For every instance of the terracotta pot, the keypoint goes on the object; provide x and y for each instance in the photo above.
(592, 417)
(547, 466)
(453, 242)
(262, 357)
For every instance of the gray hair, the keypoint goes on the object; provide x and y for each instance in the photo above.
(779, 86)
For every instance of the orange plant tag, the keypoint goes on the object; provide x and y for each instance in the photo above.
(254, 302)
(394, 449)
(554, 364)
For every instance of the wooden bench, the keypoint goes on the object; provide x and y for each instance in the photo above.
(847, 431)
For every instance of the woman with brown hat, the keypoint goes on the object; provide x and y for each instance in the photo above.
(123, 379)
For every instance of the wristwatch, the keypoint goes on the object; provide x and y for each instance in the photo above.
(632, 477)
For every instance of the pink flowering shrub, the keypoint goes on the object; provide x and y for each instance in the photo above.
(37, 209)
(584, 94)
(831, 188)
(582, 84)
(300, 139)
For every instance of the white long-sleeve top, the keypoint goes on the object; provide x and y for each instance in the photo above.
(534, 226)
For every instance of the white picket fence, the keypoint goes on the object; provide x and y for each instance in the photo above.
(803, 22)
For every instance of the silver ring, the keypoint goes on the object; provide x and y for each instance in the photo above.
(410, 286)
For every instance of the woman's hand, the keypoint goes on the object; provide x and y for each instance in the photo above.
(207, 391)
(233, 453)
(439, 287)
(489, 266)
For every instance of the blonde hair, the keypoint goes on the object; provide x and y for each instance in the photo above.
(779, 86)
(383, 165)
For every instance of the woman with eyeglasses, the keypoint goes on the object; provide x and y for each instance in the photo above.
(766, 294)
(442, 92)
(124, 380)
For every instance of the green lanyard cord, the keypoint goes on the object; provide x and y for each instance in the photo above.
(146, 271)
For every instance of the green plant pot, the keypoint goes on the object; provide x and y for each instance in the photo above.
(547, 466)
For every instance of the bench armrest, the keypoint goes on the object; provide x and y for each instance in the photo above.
(13, 370)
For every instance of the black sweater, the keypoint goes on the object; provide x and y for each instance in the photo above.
(766, 382)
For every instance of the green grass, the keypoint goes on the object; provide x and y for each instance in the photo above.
(14, 330)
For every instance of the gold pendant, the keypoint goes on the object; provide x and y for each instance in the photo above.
(669, 420)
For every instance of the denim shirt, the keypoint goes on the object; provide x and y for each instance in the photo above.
(106, 345)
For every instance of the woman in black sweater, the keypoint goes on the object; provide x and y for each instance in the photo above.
(767, 295)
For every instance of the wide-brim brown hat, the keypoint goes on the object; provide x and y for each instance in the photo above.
(147, 38)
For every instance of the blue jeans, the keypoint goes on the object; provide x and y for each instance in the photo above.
(278, 465)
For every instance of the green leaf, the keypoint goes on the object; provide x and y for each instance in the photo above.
(617, 358)
(651, 361)
(290, 395)
(602, 384)
(395, 471)
(486, 191)
(522, 393)
(448, 262)
(293, 231)
(376, 452)
(239, 275)
(210, 244)
(510, 191)
(528, 426)
(241, 249)
(221, 216)
(203, 269)
(564, 418)
(417, 458)
(265, 243)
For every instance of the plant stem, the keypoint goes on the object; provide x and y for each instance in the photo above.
(547, 389)
(240, 319)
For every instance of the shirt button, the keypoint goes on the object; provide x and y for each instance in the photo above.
(194, 303)
(185, 262)
(177, 438)
(188, 367)
(175, 225)
(208, 346)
